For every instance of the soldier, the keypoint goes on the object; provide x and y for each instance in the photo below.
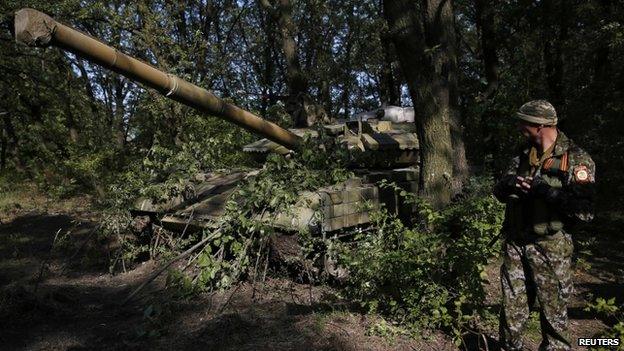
(548, 186)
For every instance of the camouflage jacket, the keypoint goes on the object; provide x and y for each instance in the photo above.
(567, 180)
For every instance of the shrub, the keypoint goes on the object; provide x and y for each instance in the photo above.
(614, 311)
(430, 274)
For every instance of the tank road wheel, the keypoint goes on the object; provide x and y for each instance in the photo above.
(142, 227)
(286, 257)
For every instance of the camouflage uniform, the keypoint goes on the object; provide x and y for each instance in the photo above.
(537, 249)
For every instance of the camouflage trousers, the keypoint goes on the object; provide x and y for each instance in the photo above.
(538, 269)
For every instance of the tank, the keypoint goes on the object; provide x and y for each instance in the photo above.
(386, 136)
(391, 151)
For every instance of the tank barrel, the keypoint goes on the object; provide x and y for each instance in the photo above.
(35, 28)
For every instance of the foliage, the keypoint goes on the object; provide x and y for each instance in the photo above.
(568, 53)
(428, 275)
(75, 126)
(610, 309)
(241, 240)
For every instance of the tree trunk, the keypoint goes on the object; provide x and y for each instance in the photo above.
(389, 88)
(554, 37)
(268, 74)
(71, 122)
(326, 60)
(424, 40)
(297, 80)
(120, 112)
(485, 22)
(4, 145)
(88, 87)
(326, 98)
(485, 27)
(299, 104)
(345, 97)
(601, 63)
(389, 82)
(11, 143)
(460, 163)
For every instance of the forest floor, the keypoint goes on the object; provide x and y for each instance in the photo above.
(65, 299)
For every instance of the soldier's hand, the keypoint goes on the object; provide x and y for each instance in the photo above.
(524, 184)
(543, 190)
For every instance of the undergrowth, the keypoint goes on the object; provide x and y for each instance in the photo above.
(423, 276)
(239, 247)
(610, 309)
(428, 275)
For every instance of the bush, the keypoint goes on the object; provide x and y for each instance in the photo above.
(428, 275)
(241, 242)
(609, 308)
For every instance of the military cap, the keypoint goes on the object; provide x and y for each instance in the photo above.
(538, 112)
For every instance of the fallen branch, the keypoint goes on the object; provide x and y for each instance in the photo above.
(255, 274)
(227, 302)
(82, 246)
(45, 262)
(166, 266)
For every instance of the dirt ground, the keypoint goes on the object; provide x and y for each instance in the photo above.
(65, 299)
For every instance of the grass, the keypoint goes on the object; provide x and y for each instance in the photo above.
(22, 197)
(16, 196)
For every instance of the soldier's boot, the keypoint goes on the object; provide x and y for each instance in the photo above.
(514, 312)
(550, 262)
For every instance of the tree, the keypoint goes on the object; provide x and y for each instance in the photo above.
(484, 20)
(555, 35)
(299, 103)
(389, 87)
(423, 34)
